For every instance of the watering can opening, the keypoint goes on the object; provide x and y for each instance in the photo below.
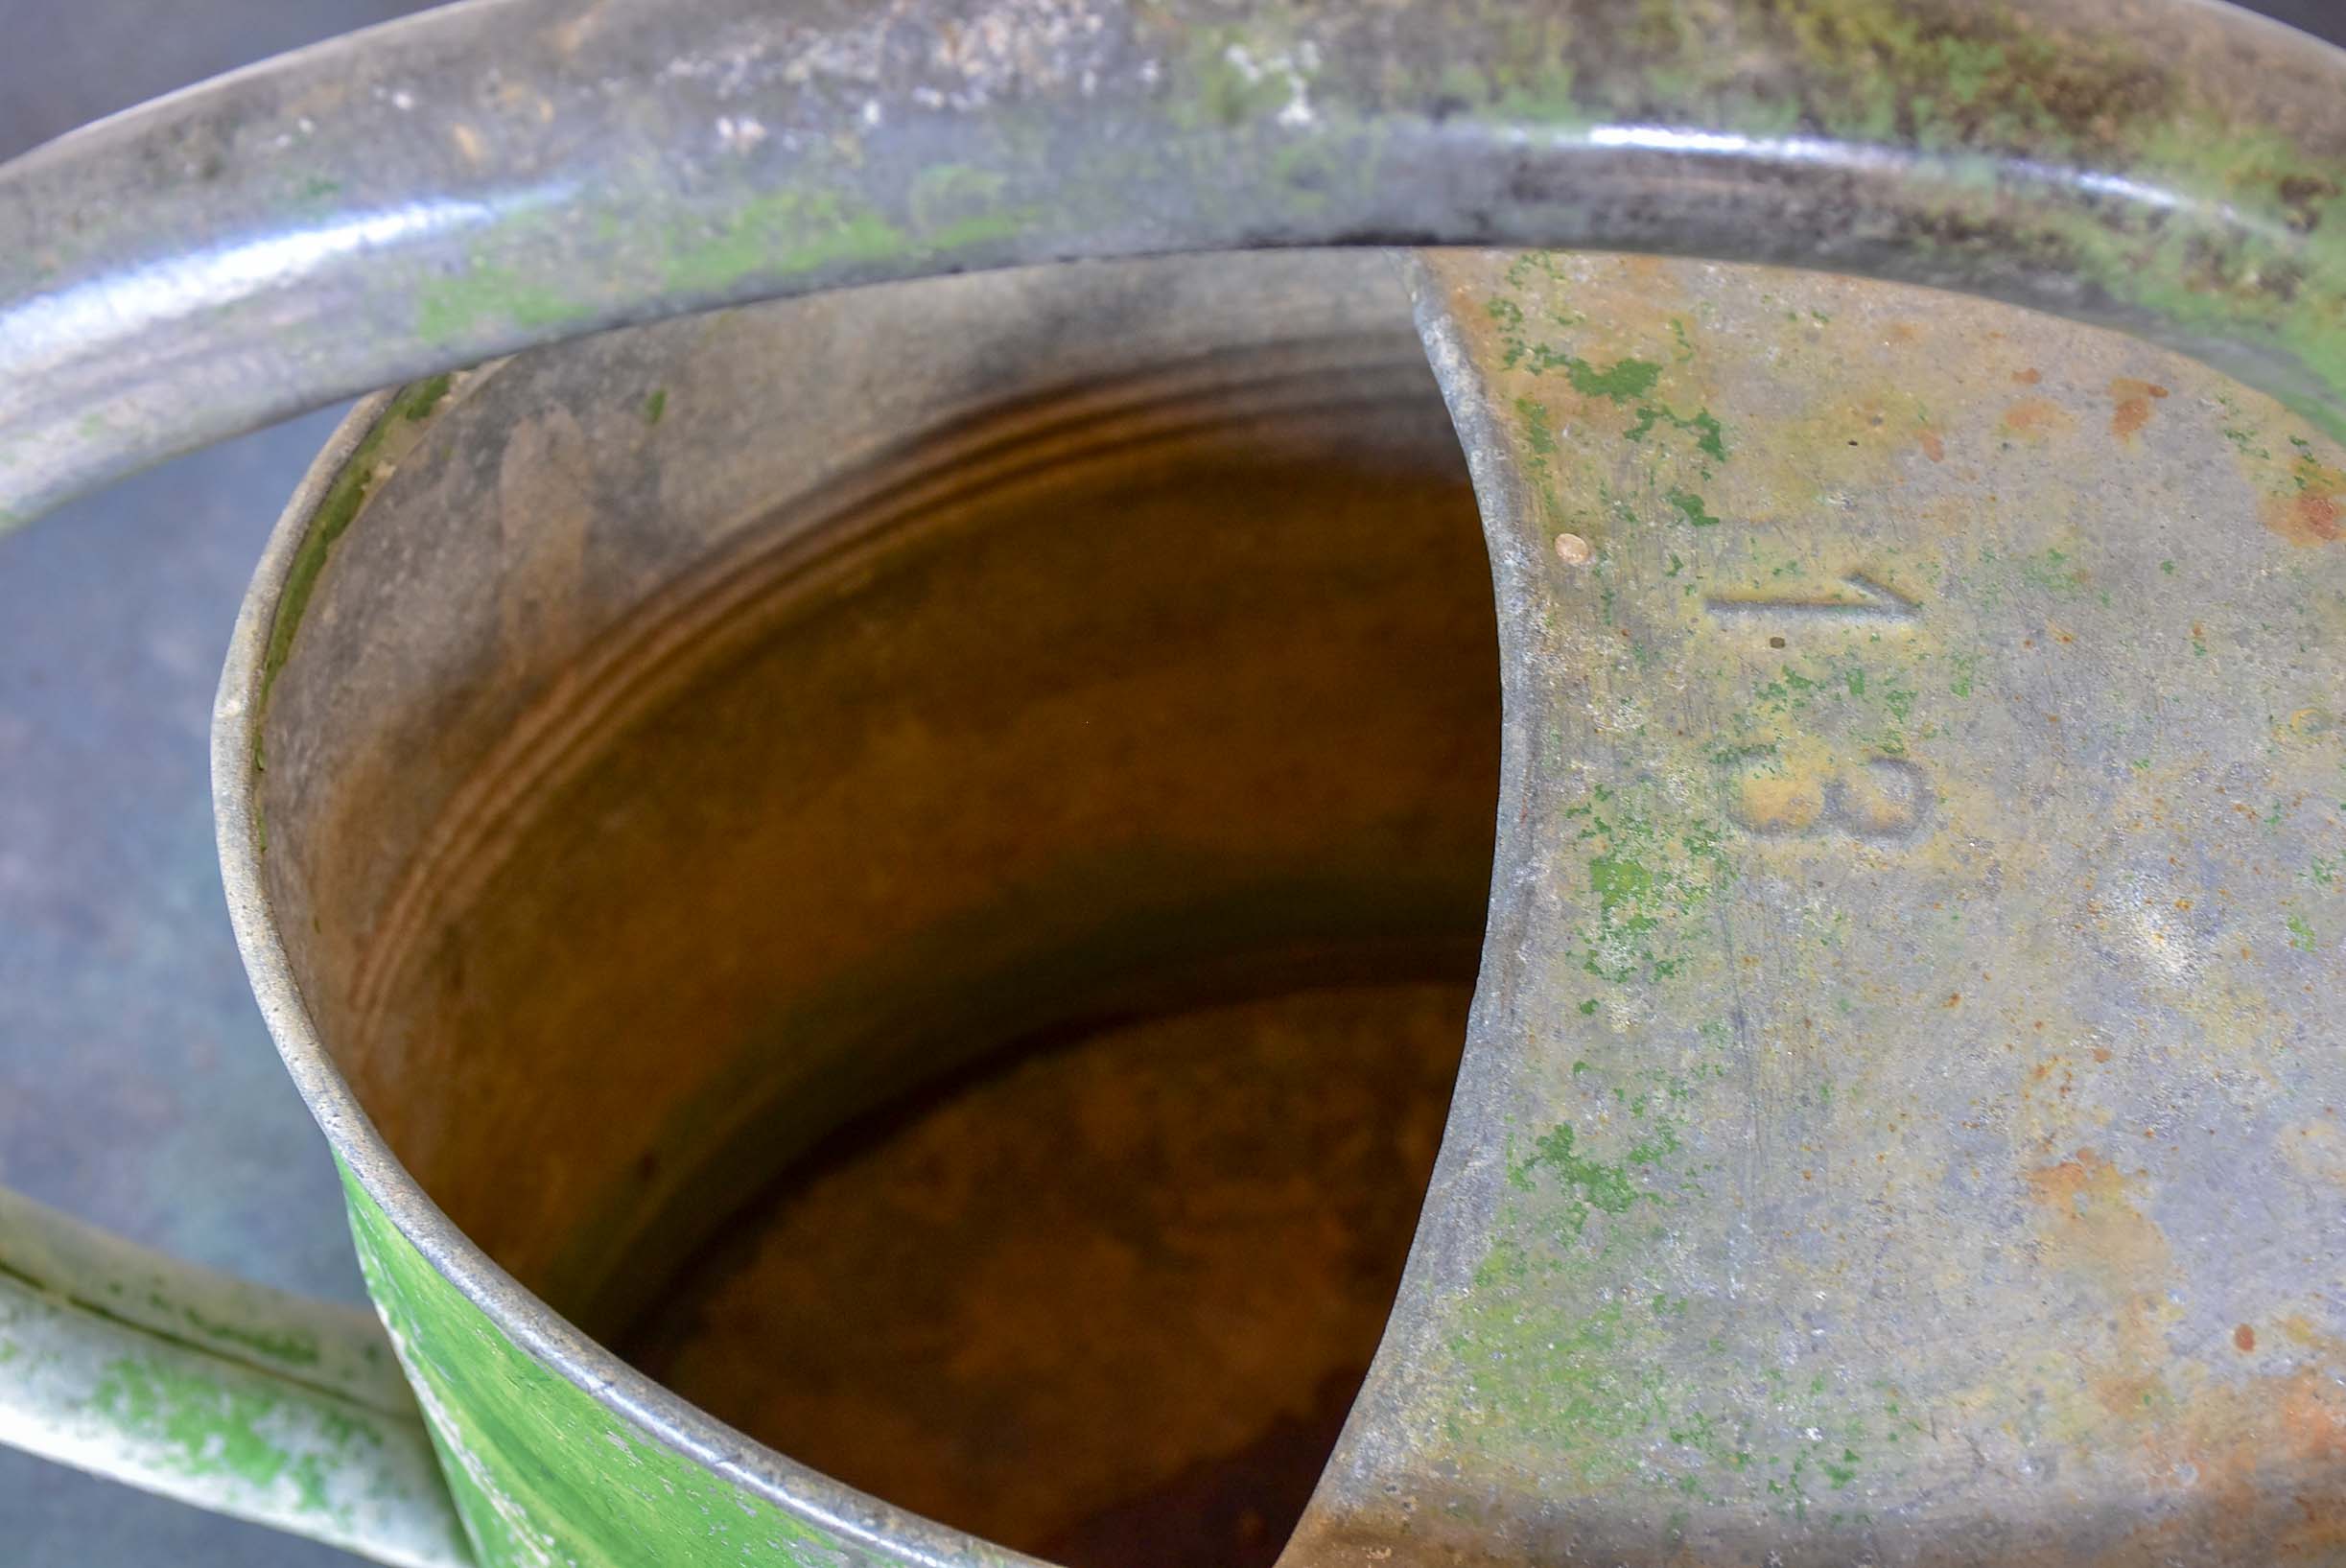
(937, 920)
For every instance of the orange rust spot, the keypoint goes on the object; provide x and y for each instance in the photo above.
(1954, 999)
(2090, 1215)
(2307, 519)
(2307, 507)
(1902, 332)
(2132, 411)
(1932, 446)
(2102, 1053)
(2259, 1460)
(2244, 1338)
(2028, 377)
(2125, 1394)
(2034, 414)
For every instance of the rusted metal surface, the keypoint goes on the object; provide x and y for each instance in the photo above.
(630, 768)
(1201, 1215)
(488, 175)
(1901, 1121)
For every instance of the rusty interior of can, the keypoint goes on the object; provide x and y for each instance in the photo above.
(946, 943)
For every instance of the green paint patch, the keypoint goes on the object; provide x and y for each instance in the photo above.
(1692, 508)
(485, 293)
(215, 1428)
(1623, 381)
(1648, 882)
(1590, 1187)
(784, 235)
(1710, 439)
(1575, 1358)
(954, 206)
(2053, 572)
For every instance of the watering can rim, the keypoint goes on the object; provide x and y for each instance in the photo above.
(533, 1327)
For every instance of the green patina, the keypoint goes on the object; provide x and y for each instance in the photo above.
(213, 1427)
(451, 308)
(1867, 696)
(780, 235)
(1692, 508)
(335, 514)
(1710, 439)
(1537, 462)
(1648, 883)
(2053, 572)
(310, 1484)
(1623, 381)
(1586, 1185)
(1578, 1359)
(951, 206)
(542, 1471)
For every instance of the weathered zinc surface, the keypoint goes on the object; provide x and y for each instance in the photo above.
(489, 175)
(1903, 1123)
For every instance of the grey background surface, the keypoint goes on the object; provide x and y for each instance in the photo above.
(137, 1085)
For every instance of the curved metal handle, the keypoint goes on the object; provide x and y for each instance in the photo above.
(214, 1390)
(509, 172)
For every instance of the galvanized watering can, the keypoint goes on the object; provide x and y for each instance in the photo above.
(1900, 1120)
